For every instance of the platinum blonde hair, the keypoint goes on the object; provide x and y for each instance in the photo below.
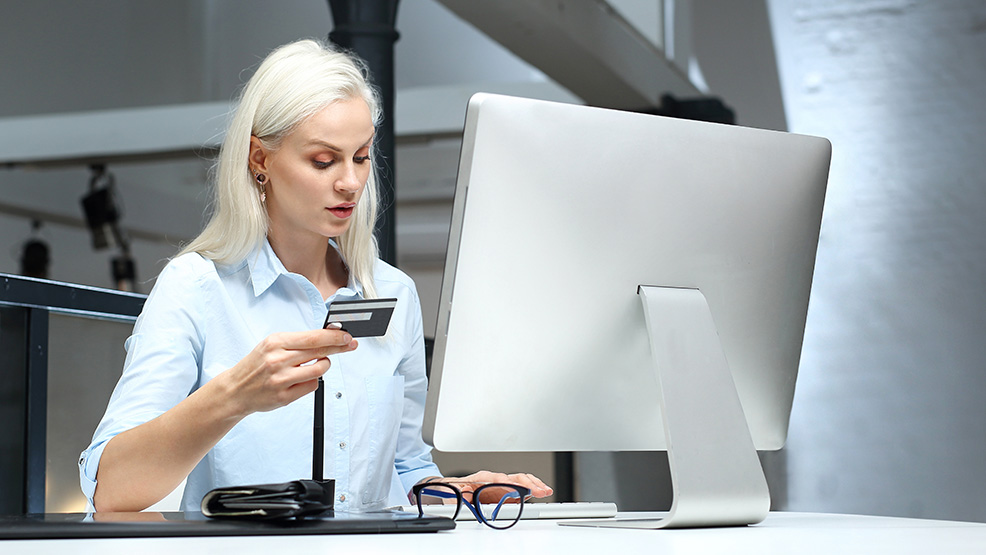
(293, 83)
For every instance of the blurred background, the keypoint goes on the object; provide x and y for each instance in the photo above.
(121, 103)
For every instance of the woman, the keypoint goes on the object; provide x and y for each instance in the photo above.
(228, 347)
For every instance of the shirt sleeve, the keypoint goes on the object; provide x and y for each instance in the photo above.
(162, 362)
(413, 459)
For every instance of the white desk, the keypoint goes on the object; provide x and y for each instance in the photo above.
(782, 533)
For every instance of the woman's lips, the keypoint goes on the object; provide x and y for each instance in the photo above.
(343, 210)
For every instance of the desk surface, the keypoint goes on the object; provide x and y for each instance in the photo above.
(780, 533)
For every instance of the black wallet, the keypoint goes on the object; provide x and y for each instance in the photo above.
(270, 501)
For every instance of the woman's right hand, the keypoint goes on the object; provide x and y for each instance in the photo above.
(282, 368)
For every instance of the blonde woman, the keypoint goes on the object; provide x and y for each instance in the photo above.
(217, 382)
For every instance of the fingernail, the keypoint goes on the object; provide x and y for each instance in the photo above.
(334, 326)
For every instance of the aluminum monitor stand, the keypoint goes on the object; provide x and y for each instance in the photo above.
(715, 472)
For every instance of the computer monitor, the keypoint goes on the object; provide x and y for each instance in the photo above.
(620, 281)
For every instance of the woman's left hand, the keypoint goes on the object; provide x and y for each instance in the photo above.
(490, 495)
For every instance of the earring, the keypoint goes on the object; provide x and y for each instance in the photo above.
(261, 179)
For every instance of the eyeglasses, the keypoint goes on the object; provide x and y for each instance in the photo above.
(487, 513)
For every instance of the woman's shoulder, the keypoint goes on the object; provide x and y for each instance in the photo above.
(185, 274)
(392, 282)
(180, 287)
(188, 266)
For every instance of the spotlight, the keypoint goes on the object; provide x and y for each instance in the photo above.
(101, 209)
(124, 272)
(103, 219)
(35, 254)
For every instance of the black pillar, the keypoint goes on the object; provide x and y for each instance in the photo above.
(367, 28)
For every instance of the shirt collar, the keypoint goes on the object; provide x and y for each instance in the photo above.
(266, 267)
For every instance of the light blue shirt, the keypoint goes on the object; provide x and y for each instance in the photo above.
(201, 319)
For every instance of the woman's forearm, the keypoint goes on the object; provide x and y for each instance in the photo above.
(140, 466)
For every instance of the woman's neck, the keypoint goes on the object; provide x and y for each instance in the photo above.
(314, 258)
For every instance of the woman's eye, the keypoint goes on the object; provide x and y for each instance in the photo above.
(321, 165)
(361, 159)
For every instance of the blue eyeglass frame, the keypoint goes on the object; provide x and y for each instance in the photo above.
(442, 490)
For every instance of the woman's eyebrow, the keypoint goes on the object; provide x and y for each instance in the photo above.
(330, 146)
(319, 142)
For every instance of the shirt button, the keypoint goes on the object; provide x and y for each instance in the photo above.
(342, 445)
(342, 498)
(338, 395)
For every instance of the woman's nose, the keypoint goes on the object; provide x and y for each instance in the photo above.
(349, 182)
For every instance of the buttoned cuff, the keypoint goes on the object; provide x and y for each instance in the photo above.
(88, 466)
(408, 479)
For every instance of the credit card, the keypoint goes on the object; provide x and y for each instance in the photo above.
(365, 318)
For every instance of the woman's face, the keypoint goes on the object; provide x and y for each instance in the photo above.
(317, 175)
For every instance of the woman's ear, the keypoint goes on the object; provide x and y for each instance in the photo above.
(258, 155)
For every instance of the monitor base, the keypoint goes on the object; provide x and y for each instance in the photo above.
(716, 475)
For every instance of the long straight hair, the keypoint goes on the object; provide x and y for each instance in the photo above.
(293, 83)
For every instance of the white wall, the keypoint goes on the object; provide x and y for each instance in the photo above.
(889, 415)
